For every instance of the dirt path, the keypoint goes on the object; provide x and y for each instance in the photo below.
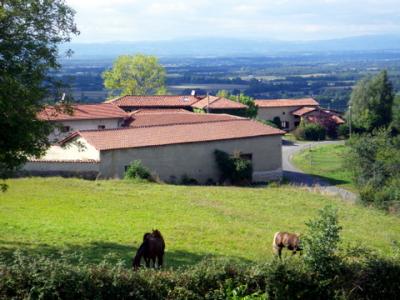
(298, 177)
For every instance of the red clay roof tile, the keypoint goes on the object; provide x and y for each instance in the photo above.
(154, 101)
(83, 112)
(218, 103)
(137, 137)
(286, 102)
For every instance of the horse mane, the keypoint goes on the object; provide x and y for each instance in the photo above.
(156, 233)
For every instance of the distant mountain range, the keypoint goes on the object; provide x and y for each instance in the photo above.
(214, 47)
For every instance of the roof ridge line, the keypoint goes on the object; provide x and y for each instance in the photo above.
(187, 123)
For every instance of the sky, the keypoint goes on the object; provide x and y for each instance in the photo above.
(149, 20)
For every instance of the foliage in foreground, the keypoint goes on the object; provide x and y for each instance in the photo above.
(30, 32)
(374, 160)
(353, 276)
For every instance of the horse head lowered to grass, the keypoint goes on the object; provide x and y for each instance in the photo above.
(151, 249)
(291, 241)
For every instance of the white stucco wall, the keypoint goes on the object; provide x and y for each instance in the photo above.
(196, 160)
(76, 125)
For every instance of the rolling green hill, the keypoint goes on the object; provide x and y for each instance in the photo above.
(99, 217)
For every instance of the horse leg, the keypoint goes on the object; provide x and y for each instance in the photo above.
(160, 261)
(147, 261)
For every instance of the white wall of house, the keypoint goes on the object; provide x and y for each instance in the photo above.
(197, 160)
(75, 125)
(284, 113)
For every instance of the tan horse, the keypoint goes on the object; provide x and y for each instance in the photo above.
(291, 241)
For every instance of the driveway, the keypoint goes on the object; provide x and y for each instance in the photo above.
(298, 177)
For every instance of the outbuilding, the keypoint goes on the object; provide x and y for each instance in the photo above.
(173, 145)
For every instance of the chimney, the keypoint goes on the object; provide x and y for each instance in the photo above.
(193, 93)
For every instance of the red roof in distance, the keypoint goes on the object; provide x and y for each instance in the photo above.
(286, 102)
(82, 112)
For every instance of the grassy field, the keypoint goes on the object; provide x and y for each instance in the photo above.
(99, 217)
(326, 161)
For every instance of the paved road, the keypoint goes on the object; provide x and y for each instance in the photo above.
(298, 177)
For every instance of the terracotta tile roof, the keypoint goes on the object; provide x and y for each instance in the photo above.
(154, 101)
(83, 112)
(159, 110)
(174, 134)
(302, 111)
(218, 103)
(169, 118)
(286, 102)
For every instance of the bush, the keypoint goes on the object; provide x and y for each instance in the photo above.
(137, 171)
(310, 132)
(233, 168)
(343, 131)
(374, 160)
(37, 277)
(321, 243)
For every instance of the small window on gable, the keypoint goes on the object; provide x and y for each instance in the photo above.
(65, 129)
(283, 113)
(101, 127)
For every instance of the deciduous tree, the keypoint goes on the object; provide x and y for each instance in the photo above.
(135, 75)
(371, 102)
(30, 32)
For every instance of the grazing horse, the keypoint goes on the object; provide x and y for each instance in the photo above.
(152, 249)
(291, 241)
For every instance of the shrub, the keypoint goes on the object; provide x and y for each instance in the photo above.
(310, 132)
(321, 243)
(374, 160)
(277, 122)
(137, 171)
(38, 277)
(186, 180)
(343, 130)
(234, 168)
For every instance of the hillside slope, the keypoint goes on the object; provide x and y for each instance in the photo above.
(96, 218)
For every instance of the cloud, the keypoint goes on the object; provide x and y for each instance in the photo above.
(130, 20)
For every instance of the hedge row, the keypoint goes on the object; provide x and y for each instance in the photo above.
(25, 277)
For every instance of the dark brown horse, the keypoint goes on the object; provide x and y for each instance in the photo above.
(152, 250)
(291, 241)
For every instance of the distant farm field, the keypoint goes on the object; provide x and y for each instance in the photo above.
(100, 217)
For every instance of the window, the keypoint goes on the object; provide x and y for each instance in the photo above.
(100, 127)
(285, 124)
(65, 129)
(296, 123)
(283, 113)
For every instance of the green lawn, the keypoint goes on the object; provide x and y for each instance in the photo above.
(326, 161)
(96, 218)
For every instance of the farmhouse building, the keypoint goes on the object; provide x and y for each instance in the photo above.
(83, 117)
(292, 111)
(283, 108)
(171, 144)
